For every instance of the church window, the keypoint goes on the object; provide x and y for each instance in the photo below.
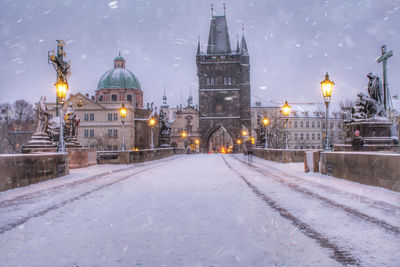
(129, 98)
(110, 116)
(114, 97)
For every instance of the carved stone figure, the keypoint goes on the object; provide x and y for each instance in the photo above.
(165, 129)
(71, 122)
(42, 117)
(369, 106)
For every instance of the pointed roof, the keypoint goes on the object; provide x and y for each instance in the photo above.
(198, 47)
(237, 44)
(243, 46)
(218, 39)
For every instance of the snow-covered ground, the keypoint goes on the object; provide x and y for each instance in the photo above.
(199, 210)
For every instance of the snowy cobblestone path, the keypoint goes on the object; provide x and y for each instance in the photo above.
(201, 210)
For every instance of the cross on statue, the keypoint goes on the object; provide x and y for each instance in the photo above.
(383, 58)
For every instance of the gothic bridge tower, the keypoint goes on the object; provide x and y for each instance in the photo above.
(224, 85)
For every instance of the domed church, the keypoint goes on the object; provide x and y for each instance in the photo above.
(120, 84)
(100, 120)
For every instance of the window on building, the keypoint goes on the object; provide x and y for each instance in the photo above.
(307, 136)
(109, 147)
(91, 117)
(110, 117)
(290, 124)
(115, 147)
(114, 97)
(313, 124)
(227, 80)
(86, 117)
(301, 136)
(129, 98)
(115, 133)
(318, 124)
(100, 97)
(301, 124)
(86, 133)
(319, 136)
(296, 136)
(109, 133)
(295, 124)
(115, 116)
(307, 124)
(91, 133)
(211, 81)
(313, 136)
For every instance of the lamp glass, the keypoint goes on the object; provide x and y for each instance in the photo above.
(286, 109)
(265, 121)
(152, 122)
(123, 111)
(62, 89)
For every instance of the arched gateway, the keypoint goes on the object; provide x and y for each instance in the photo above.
(224, 84)
(220, 141)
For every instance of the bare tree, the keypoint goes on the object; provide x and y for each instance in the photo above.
(16, 123)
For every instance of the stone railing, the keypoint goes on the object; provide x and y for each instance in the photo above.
(280, 155)
(130, 156)
(370, 168)
(17, 170)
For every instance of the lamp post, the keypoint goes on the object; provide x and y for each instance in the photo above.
(62, 88)
(197, 142)
(266, 123)
(184, 135)
(152, 122)
(327, 88)
(123, 111)
(286, 112)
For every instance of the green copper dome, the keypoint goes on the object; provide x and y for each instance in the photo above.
(119, 77)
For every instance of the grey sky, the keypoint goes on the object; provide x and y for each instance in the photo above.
(291, 45)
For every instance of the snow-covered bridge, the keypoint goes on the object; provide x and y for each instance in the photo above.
(199, 210)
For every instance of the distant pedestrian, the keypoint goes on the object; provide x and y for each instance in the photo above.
(357, 143)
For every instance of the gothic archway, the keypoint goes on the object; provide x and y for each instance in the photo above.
(220, 141)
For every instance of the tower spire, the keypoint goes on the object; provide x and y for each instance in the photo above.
(198, 46)
(243, 45)
(212, 9)
(224, 9)
(237, 44)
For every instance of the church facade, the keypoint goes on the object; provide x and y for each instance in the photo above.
(100, 121)
(224, 85)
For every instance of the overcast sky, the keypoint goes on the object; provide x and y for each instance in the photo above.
(291, 44)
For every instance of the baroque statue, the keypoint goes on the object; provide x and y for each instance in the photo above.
(371, 106)
(42, 117)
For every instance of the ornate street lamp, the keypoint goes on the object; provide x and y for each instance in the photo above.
(62, 88)
(184, 135)
(152, 123)
(286, 112)
(327, 88)
(123, 111)
(266, 123)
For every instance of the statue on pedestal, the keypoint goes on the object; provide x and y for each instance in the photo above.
(165, 130)
(42, 117)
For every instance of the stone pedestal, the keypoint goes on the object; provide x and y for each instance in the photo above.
(165, 141)
(375, 134)
(39, 142)
(81, 157)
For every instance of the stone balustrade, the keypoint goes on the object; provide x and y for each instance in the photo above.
(131, 156)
